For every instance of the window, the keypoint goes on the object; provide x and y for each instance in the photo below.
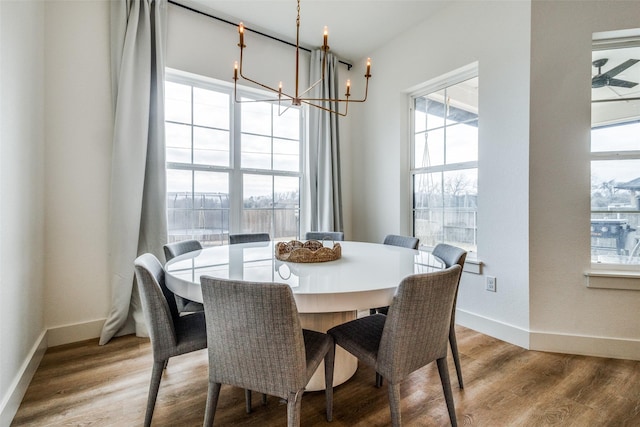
(615, 151)
(231, 167)
(444, 165)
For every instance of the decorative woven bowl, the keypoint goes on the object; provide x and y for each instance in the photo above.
(309, 251)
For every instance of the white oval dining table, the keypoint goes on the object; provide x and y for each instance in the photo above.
(326, 293)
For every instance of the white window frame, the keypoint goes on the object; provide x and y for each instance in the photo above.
(235, 171)
(607, 41)
(450, 79)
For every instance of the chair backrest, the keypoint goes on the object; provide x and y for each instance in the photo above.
(158, 302)
(172, 250)
(403, 241)
(449, 254)
(322, 235)
(254, 335)
(248, 238)
(416, 330)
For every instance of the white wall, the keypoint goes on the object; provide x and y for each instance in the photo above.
(496, 35)
(78, 165)
(22, 140)
(565, 315)
(202, 45)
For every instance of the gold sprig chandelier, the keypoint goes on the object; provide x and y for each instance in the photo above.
(299, 98)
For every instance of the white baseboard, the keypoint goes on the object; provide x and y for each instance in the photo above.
(18, 388)
(616, 348)
(502, 331)
(76, 332)
(50, 338)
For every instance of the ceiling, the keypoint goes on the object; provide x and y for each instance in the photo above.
(356, 27)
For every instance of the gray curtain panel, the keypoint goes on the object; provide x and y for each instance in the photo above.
(323, 168)
(137, 217)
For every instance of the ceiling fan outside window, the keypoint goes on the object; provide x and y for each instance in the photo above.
(608, 78)
(616, 75)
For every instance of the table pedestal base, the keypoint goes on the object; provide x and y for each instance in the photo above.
(345, 364)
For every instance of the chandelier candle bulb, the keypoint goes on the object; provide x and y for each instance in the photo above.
(241, 32)
(368, 74)
(348, 88)
(235, 70)
(325, 38)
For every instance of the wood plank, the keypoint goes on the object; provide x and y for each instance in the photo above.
(87, 384)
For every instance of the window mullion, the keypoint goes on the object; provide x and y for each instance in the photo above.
(235, 181)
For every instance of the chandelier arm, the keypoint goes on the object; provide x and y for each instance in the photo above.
(282, 94)
(330, 100)
(311, 87)
(263, 85)
(242, 46)
(329, 110)
(366, 94)
(248, 101)
(281, 112)
(324, 61)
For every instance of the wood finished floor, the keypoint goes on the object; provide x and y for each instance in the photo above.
(83, 384)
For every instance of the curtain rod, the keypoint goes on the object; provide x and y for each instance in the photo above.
(173, 2)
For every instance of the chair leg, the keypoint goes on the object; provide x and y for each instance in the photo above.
(294, 407)
(379, 380)
(329, 360)
(247, 398)
(446, 388)
(456, 357)
(213, 392)
(394, 404)
(154, 386)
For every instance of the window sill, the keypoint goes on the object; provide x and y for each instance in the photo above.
(613, 279)
(473, 266)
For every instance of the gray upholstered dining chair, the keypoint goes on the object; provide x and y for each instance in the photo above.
(403, 242)
(172, 250)
(255, 346)
(170, 333)
(412, 335)
(248, 238)
(452, 255)
(337, 236)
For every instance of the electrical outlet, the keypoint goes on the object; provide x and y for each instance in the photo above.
(491, 284)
